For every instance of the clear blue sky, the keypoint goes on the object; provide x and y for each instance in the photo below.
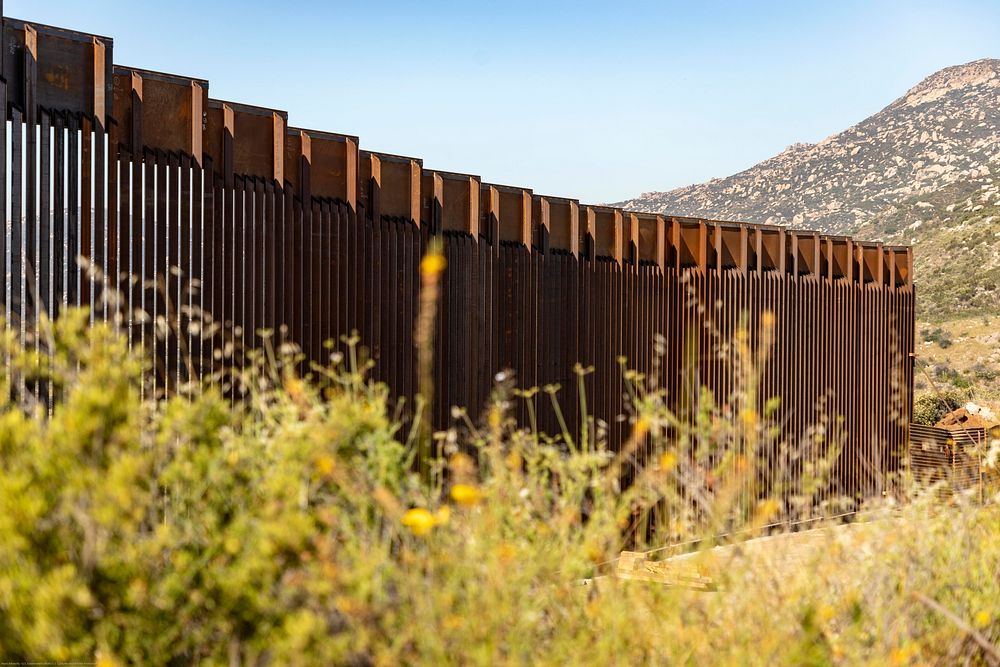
(598, 101)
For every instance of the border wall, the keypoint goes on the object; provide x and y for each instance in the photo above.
(183, 204)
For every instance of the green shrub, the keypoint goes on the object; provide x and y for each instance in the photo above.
(931, 406)
(937, 335)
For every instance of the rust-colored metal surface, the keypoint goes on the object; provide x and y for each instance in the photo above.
(183, 204)
(951, 460)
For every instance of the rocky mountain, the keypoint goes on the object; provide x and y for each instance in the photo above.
(934, 153)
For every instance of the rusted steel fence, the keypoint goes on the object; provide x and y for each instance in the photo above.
(181, 205)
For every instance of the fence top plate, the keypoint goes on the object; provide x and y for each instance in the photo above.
(392, 157)
(53, 31)
(558, 200)
(214, 103)
(160, 76)
(320, 134)
(604, 208)
(512, 189)
(455, 175)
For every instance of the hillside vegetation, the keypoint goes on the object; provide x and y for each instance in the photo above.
(955, 234)
(924, 171)
(290, 530)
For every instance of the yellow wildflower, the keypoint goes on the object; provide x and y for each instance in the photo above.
(325, 464)
(494, 419)
(466, 494)
(983, 619)
(419, 520)
(452, 622)
(432, 264)
(461, 465)
(295, 387)
(232, 545)
(902, 655)
(668, 461)
(641, 428)
(106, 660)
(766, 510)
(505, 552)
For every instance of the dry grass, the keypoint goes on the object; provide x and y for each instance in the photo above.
(291, 530)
